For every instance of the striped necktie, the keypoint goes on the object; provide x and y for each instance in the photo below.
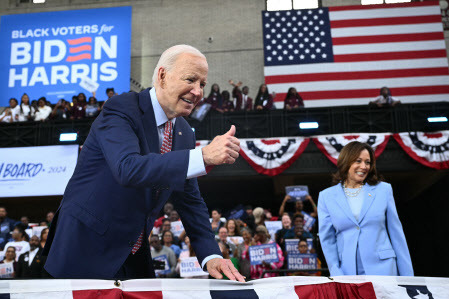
(165, 148)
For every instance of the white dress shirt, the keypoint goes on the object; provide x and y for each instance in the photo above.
(196, 163)
(32, 255)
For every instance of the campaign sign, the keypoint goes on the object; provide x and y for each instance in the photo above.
(6, 270)
(265, 252)
(36, 171)
(309, 221)
(297, 192)
(273, 227)
(162, 258)
(235, 239)
(291, 245)
(177, 228)
(50, 53)
(298, 261)
(37, 230)
(191, 267)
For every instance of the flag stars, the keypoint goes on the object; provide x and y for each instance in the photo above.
(294, 18)
(301, 57)
(289, 35)
(284, 30)
(279, 57)
(279, 47)
(289, 24)
(323, 44)
(317, 39)
(288, 13)
(300, 34)
(309, 12)
(272, 20)
(311, 34)
(290, 46)
(324, 55)
(268, 47)
(306, 39)
(313, 56)
(277, 14)
(290, 57)
(318, 50)
(273, 30)
(310, 23)
(321, 22)
(315, 17)
(296, 51)
(268, 58)
(301, 46)
(307, 51)
(322, 33)
(312, 45)
(284, 41)
(273, 41)
(306, 28)
(285, 52)
(320, 11)
(316, 28)
(267, 25)
(298, 12)
(294, 29)
(268, 36)
(278, 35)
(283, 19)
(278, 24)
(267, 14)
(304, 18)
(295, 40)
(274, 52)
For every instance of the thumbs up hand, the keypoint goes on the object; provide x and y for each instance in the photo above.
(224, 149)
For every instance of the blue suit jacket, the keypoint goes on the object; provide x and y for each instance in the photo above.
(378, 233)
(111, 196)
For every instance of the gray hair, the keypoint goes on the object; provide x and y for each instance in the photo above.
(168, 58)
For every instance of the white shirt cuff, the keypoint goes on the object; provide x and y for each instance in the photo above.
(213, 256)
(196, 164)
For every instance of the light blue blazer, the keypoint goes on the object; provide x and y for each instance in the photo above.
(378, 233)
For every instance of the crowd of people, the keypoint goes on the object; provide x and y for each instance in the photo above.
(237, 100)
(246, 227)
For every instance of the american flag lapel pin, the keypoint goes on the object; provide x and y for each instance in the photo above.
(180, 133)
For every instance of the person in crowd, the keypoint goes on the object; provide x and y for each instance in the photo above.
(79, 107)
(263, 237)
(225, 251)
(293, 100)
(174, 216)
(286, 232)
(298, 219)
(248, 217)
(216, 220)
(6, 226)
(385, 99)
(247, 102)
(243, 254)
(18, 236)
(60, 111)
(299, 206)
(300, 232)
(44, 235)
(43, 223)
(168, 241)
(166, 226)
(233, 228)
(31, 263)
(223, 238)
(264, 100)
(92, 107)
(26, 112)
(259, 216)
(227, 106)
(110, 92)
(168, 207)
(186, 254)
(49, 217)
(359, 227)
(237, 96)
(214, 98)
(10, 258)
(25, 221)
(43, 111)
(11, 114)
(157, 249)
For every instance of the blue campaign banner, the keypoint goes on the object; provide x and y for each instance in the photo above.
(163, 258)
(291, 245)
(265, 252)
(53, 54)
(309, 221)
(298, 261)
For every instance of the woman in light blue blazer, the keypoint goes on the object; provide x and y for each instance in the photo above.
(359, 227)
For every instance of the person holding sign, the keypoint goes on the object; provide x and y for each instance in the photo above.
(263, 237)
(10, 259)
(139, 153)
(359, 227)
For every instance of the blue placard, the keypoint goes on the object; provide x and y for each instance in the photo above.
(163, 258)
(265, 252)
(298, 261)
(291, 245)
(309, 221)
(49, 53)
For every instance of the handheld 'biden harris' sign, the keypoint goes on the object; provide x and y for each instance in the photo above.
(49, 54)
(36, 171)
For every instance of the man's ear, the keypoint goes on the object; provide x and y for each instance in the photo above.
(161, 76)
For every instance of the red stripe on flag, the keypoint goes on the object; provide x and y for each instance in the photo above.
(378, 6)
(398, 73)
(389, 56)
(390, 38)
(80, 40)
(116, 294)
(336, 290)
(366, 93)
(385, 21)
(80, 49)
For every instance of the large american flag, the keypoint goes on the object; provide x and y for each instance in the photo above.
(344, 55)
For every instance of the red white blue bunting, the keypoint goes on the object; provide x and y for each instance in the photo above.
(331, 145)
(429, 149)
(273, 155)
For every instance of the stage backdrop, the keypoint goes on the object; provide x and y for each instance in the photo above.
(51, 53)
(37, 170)
(343, 55)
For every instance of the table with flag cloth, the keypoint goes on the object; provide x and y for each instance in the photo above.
(366, 287)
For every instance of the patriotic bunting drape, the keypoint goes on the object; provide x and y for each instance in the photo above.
(302, 287)
(271, 156)
(430, 149)
(331, 145)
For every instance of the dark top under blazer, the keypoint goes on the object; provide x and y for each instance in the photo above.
(111, 196)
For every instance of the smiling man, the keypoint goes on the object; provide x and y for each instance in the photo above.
(140, 152)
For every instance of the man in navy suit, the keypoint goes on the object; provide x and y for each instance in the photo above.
(139, 152)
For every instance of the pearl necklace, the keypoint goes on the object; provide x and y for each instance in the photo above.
(350, 193)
